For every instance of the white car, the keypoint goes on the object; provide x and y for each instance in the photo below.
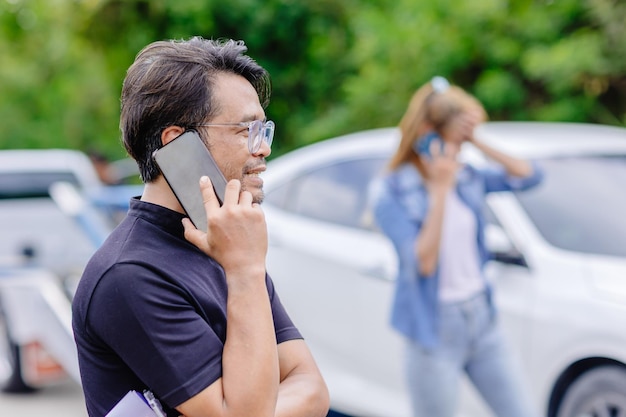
(33, 225)
(30, 221)
(559, 268)
(54, 212)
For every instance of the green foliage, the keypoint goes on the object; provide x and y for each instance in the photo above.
(336, 67)
(54, 90)
(536, 60)
(302, 44)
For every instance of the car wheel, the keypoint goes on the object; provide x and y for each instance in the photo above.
(598, 392)
(10, 362)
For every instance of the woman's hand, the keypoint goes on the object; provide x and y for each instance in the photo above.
(461, 129)
(442, 167)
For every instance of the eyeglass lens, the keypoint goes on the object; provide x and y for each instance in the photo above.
(260, 132)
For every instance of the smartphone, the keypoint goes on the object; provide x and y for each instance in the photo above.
(183, 161)
(423, 143)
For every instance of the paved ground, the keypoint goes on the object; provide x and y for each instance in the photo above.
(58, 401)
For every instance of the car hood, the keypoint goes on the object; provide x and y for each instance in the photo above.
(607, 277)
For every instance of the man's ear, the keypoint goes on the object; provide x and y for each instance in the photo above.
(170, 133)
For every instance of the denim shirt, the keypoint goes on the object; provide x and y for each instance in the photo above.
(400, 204)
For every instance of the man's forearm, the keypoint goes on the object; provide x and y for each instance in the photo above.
(250, 372)
(302, 395)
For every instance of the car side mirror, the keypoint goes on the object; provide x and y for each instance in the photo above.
(501, 247)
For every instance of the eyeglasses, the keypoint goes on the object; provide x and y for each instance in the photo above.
(258, 132)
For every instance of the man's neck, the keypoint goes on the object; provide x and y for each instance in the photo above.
(159, 192)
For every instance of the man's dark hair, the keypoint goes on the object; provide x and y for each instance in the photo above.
(171, 84)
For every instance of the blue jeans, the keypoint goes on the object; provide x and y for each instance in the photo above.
(470, 342)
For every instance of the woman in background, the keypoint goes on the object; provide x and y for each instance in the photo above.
(430, 205)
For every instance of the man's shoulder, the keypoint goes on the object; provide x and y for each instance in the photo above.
(120, 248)
(138, 254)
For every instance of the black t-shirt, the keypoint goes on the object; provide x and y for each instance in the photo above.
(150, 313)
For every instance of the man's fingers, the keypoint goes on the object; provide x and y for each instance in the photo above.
(193, 235)
(190, 229)
(245, 198)
(208, 194)
(231, 196)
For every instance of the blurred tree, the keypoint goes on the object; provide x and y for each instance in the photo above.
(336, 67)
(62, 87)
(54, 88)
(525, 59)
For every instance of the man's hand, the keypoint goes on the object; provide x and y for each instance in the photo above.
(237, 239)
(237, 233)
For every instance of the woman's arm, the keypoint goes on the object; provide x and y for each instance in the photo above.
(429, 239)
(442, 169)
(513, 166)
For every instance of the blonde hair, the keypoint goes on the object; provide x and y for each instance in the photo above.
(430, 110)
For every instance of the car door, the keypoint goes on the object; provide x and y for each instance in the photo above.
(334, 272)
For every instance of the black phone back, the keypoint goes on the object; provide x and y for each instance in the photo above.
(183, 161)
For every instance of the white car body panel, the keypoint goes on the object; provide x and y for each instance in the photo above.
(38, 311)
(50, 228)
(337, 282)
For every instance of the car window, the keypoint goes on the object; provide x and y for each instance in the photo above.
(31, 184)
(334, 193)
(581, 203)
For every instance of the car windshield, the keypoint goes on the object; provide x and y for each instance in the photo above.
(334, 193)
(581, 203)
(31, 184)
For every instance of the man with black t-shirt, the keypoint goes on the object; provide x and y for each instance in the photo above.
(193, 316)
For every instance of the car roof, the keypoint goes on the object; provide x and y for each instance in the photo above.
(43, 159)
(523, 139)
(49, 160)
(553, 139)
(363, 143)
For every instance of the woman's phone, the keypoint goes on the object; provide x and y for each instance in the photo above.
(183, 161)
(423, 143)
